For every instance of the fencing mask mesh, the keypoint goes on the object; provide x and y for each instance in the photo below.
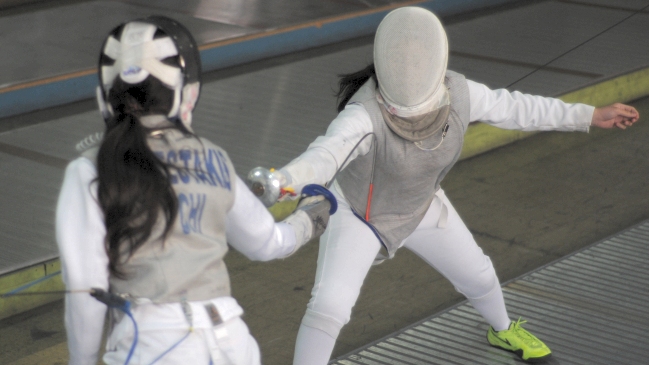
(410, 56)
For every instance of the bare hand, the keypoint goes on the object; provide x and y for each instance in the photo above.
(615, 115)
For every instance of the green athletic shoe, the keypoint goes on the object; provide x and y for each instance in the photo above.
(519, 340)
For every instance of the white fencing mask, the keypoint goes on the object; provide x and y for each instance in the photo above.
(410, 57)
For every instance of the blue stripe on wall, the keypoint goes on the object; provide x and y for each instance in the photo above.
(83, 87)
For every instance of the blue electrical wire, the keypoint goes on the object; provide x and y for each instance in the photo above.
(111, 300)
(115, 301)
(135, 338)
(30, 284)
(171, 348)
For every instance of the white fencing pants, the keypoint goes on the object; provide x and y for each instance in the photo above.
(348, 249)
(161, 326)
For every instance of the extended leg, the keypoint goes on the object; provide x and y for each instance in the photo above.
(347, 250)
(455, 254)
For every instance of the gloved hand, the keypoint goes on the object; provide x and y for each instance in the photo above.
(317, 208)
(311, 217)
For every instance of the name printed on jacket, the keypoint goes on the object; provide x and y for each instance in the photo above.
(199, 167)
(190, 211)
(202, 167)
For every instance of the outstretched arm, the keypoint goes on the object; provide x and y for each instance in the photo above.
(252, 231)
(615, 115)
(323, 157)
(515, 110)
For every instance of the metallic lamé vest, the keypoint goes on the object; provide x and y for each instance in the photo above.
(188, 264)
(406, 177)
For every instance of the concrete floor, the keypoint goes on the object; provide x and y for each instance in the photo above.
(527, 204)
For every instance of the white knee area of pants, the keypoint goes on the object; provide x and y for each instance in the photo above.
(330, 307)
(482, 284)
(346, 253)
(323, 322)
(490, 288)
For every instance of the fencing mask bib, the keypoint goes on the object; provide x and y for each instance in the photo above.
(410, 58)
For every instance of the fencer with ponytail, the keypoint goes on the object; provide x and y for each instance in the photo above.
(133, 184)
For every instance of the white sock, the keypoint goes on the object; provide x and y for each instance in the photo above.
(492, 308)
(313, 346)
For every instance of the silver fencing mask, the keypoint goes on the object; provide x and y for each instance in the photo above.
(410, 57)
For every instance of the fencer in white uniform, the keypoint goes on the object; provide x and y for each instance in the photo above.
(407, 132)
(147, 213)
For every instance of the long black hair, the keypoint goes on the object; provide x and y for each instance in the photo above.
(133, 184)
(350, 83)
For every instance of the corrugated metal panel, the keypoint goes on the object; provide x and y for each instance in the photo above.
(27, 215)
(589, 308)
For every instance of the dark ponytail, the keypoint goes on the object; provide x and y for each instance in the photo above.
(350, 83)
(133, 184)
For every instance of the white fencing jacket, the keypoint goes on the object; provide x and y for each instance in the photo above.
(80, 232)
(499, 108)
